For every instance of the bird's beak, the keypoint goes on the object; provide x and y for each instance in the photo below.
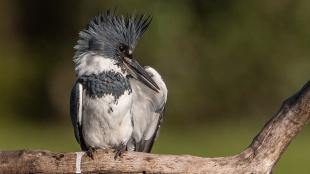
(138, 72)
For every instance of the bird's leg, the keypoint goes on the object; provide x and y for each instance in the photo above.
(119, 151)
(90, 152)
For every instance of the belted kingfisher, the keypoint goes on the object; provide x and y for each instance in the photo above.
(115, 103)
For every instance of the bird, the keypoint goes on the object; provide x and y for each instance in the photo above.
(115, 103)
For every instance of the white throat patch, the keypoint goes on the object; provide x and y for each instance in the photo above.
(94, 64)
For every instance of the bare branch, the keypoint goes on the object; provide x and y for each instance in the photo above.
(259, 157)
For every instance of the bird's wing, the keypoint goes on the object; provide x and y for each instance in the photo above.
(147, 110)
(76, 99)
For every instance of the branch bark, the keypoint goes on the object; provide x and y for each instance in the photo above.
(258, 158)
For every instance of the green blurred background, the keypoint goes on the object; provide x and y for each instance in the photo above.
(228, 66)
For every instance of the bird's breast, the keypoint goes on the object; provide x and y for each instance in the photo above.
(105, 83)
(107, 103)
(107, 122)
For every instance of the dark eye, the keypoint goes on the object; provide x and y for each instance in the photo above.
(121, 48)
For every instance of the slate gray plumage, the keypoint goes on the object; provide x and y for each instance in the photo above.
(110, 82)
(115, 103)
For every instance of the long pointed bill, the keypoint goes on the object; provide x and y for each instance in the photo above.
(137, 71)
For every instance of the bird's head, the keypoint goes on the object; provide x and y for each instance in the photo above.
(114, 37)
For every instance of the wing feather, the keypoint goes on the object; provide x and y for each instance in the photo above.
(76, 99)
(146, 144)
(148, 110)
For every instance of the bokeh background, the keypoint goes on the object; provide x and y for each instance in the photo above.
(228, 65)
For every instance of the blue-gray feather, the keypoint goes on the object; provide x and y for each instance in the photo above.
(105, 83)
(105, 31)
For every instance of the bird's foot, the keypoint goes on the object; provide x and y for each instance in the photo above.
(90, 152)
(119, 151)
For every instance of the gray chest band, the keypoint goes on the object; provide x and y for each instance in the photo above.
(98, 85)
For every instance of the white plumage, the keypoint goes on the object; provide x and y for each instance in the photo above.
(107, 124)
(147, 111)
(90, 63)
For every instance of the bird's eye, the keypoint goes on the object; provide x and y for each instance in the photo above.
(121, 48)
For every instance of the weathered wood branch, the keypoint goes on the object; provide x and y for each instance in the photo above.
(259, 157)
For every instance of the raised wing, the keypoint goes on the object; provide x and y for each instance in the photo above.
(76, 99)
(147, 110)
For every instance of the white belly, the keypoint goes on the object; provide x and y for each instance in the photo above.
(106, 123)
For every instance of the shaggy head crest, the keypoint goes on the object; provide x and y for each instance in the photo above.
(106, 32)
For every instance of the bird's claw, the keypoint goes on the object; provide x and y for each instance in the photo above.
(90, 152)
(119, 151)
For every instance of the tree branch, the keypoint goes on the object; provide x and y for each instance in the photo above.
(259, 157)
